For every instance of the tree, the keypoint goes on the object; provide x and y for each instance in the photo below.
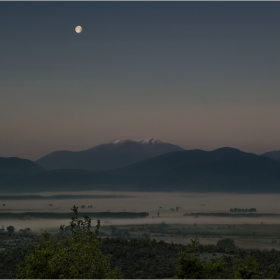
(226, 244)
(76, 256)
(10, 229)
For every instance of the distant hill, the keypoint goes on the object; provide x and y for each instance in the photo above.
(275, 155)
(19, 167)
(15, 171)
(221, 170)
(111, 155)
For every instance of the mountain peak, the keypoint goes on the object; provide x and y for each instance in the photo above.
(117, 141)
(150, 141)
(143, 141)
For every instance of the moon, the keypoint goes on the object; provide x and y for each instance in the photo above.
(78, 29)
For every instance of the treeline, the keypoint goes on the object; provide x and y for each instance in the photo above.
(243, 210)
(58, 196)
(52, 215)
(233, 214)
(142, 259)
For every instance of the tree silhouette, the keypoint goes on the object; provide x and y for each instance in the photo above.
(10, 229)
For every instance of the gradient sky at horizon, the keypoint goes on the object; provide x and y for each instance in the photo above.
(197, 74)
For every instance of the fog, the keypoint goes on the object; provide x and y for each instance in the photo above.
(144, 202)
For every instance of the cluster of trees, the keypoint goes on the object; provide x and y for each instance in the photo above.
(11, 229)
(25, 230)
(243, 210)
(227, 244)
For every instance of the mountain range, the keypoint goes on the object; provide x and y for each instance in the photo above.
(146, 165)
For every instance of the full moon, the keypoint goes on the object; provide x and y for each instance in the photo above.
(78, 29)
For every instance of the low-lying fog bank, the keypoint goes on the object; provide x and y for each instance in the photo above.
(43, 224)
(162, 207)
(141, 202)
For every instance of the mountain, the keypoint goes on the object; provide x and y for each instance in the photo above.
(275, 155)
(221, 170)
(111, 155)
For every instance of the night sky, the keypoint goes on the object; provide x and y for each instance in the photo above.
(197, 74)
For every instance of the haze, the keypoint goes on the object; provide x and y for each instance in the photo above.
(196, 74)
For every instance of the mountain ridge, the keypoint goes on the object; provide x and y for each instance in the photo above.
(275, 155)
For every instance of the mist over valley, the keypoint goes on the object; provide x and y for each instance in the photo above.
(169, 213)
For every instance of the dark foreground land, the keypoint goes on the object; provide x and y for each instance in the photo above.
(142, 258)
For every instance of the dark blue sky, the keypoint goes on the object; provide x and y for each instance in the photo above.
(197, 74)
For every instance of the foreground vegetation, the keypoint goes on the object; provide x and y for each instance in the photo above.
(142, 259)
(75, 256)
(79, 253)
